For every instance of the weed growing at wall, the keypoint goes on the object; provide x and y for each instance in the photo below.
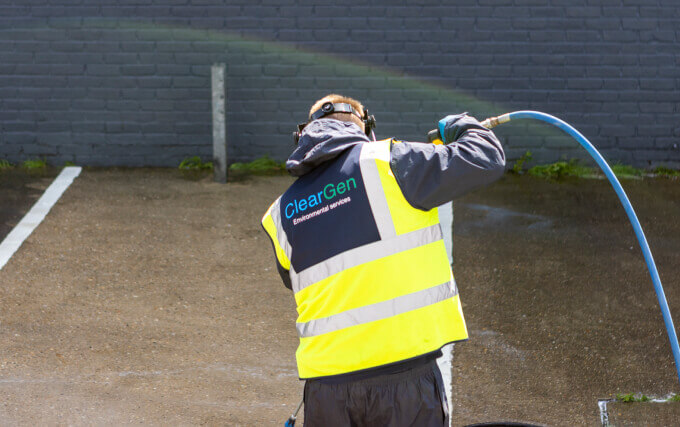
(195, 163)
(627, 172)
(518, 167)
(262, 166)
(666, 172)
(34, 165)
(572, 168)
(5, 165)
(561, 170)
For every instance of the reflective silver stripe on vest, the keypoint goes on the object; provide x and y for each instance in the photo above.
(280, 234)
(376, 196)
(363, 254)
(377, 311)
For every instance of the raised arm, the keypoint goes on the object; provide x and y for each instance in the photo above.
(430, 175)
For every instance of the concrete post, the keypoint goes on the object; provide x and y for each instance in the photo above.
(219, 123)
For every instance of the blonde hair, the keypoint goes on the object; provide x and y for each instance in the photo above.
(344, 117)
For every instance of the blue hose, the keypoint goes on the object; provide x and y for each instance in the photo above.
(672, 336)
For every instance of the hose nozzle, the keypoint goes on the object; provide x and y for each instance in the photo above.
(492, 122)
(435, 137)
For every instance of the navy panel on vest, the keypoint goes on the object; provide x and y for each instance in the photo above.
(326, 211)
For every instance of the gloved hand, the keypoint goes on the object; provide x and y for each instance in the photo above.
(452, 127)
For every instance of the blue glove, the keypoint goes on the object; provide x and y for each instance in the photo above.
(452, 127)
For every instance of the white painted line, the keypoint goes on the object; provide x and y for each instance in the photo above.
(604, 415)
(37, 213)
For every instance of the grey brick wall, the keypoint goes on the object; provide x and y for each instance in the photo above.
(126, 82)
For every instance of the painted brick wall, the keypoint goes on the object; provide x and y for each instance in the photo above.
(126, 82)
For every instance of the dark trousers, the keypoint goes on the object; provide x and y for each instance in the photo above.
(412, 398)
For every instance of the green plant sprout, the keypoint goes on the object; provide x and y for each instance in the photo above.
(632, 397)
(33, 165)
(518, 167)
(639, 397)
(572, 168)
(195, 163)
(666, 172)
(262, 166)
(563, 169)
(627, 172)
(5, 165)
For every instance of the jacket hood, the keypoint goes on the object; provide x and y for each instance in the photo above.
(321, 141)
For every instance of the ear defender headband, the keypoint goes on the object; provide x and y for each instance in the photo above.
(330, 108)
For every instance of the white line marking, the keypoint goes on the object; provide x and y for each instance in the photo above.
(604, 415)
(37, 213)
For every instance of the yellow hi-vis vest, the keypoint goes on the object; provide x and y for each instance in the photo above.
(383, 302)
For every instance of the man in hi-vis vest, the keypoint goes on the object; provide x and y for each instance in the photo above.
(358, 241)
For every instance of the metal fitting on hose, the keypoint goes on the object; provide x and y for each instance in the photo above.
(434, 137)
(492, 122)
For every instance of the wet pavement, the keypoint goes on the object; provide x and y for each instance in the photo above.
(18, 191)
(558, 300)
(643, 414)
(148, 298)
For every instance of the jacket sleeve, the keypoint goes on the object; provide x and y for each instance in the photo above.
(430, 175)
(269, 223)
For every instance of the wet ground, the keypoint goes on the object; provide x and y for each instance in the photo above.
(148, 298)
(18, 191)
(558, 300)
(643, 414)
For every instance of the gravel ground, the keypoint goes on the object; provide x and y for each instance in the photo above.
(148, 298)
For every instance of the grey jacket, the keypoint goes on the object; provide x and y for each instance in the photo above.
(429, 175)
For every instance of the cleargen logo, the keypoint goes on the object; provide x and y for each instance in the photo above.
(329, 192)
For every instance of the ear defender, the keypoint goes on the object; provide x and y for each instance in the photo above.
(296, 134)
(330, 108)
(369, 122)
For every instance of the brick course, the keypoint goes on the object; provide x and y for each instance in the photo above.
(126, 82)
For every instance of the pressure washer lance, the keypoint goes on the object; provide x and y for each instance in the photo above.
(435, 137)
(291, 420)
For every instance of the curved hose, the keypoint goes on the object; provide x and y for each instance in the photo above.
(672, 336)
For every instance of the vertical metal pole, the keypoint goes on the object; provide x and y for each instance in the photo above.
(446, 221)
(219, 123)
(444, 362)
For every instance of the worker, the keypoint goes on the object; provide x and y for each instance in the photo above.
(357, 239)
